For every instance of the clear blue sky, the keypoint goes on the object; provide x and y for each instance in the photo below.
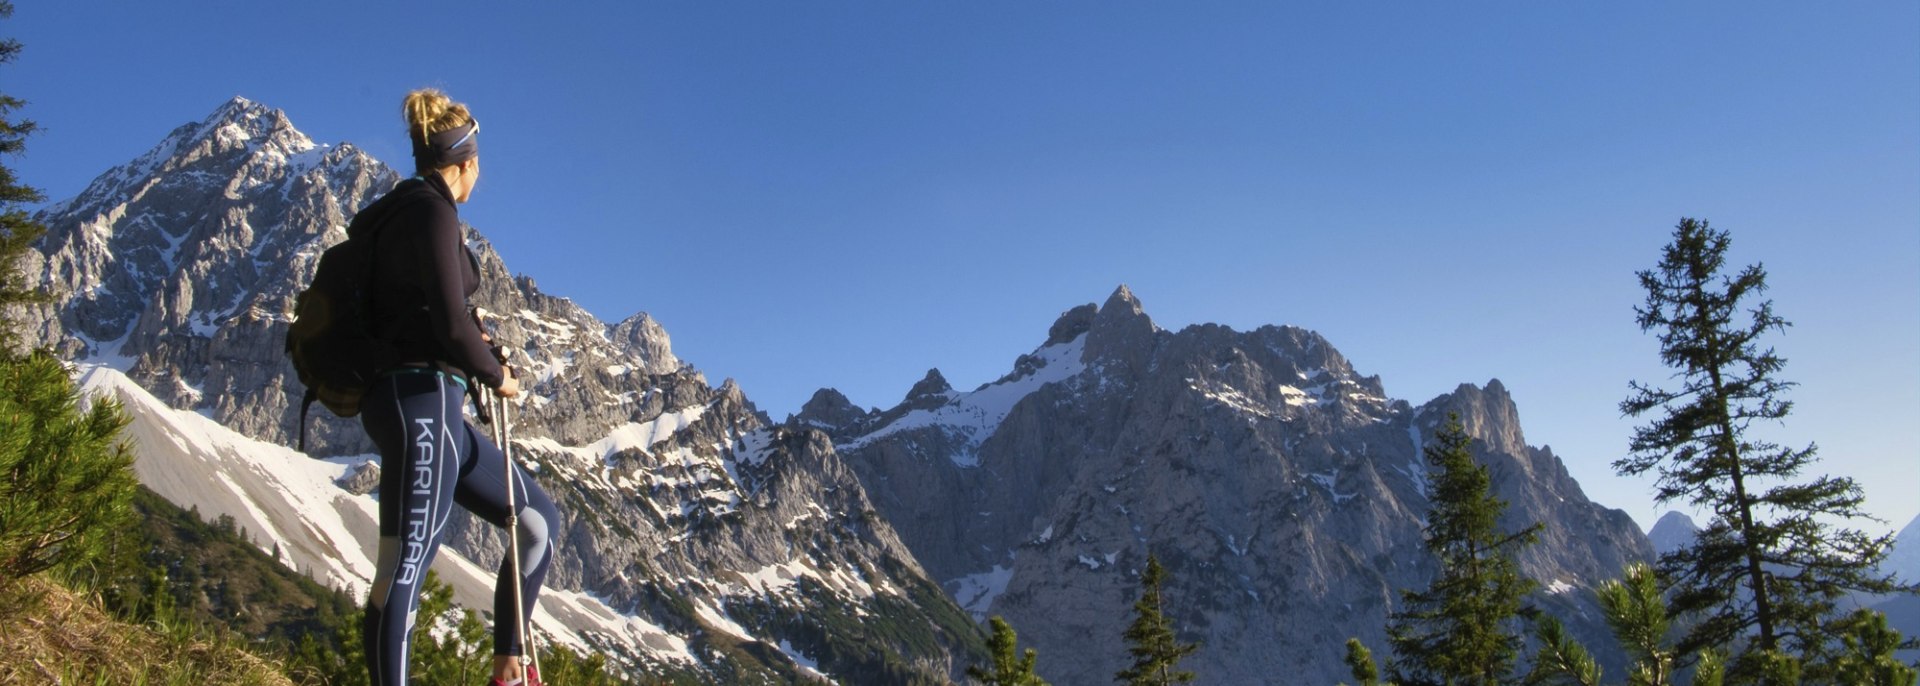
(846, 194)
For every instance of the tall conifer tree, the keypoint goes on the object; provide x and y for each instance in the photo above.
(18, 231)
(1156, 651)
(1766, 571)
(1460, 630)
(66, 482)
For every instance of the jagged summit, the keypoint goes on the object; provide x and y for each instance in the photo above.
(1488, 413)
(238, 126)
(828, 410)
(187, 235)
(239, 108)
(933, 385)
(643, 334)
(1122, 298)
(1121, 306)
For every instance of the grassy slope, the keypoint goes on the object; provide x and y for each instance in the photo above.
(56, 635)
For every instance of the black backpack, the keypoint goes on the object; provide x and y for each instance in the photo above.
(332, 342)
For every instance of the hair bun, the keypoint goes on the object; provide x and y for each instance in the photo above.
(430, 111)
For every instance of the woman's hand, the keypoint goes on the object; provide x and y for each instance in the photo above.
(509, 386)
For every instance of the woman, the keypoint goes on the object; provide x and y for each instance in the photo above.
(432, 457)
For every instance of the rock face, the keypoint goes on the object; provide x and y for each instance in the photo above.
(680, 502)
(1283, 491)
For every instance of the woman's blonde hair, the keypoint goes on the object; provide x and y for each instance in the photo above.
(430, 111)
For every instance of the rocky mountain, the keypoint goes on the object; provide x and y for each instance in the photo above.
(683, 508)
(1282, 489)
(1673, 532)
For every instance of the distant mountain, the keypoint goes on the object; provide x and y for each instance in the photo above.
(1903, 611)
(1673, 532)
(1904, 559)
(1282, 489)
(697, 540)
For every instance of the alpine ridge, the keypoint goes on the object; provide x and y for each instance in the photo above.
(1282, 490)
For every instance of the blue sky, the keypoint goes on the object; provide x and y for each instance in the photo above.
(846, 194)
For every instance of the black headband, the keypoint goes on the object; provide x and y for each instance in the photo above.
(449, 147)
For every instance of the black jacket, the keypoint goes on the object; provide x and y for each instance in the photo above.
(422, 276)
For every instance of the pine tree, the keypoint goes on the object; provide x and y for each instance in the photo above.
(1561, 661)
(1459, 630)
(1009, 668)
(1156, 651)
(1769, 567)
(1360, 664)
(1637, 613)
(18, 231)
(1866, 657)
(450, 644)
(66, 482)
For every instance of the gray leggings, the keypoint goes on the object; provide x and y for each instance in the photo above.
(432, 458)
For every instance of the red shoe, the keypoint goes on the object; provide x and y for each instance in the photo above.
(530, 678)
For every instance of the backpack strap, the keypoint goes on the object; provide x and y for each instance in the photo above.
(305, 403)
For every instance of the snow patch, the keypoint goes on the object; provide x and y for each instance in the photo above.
(975, 416)
(1230, 397)
(976, 592)
(644, 435)
(1326, 481)
(1239, 549)
(806, 663)
(720, 620)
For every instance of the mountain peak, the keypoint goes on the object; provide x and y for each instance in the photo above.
(828, 409)
(1122, 333)
(1123, 310)
(642, 335)
(935, 384)
(235, 109)
(242, 122)
(238, 127)
(1674, 531)
(1122, 303)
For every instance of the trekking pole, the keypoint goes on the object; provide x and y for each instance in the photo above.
(502, 428)
(524, 620)
(513, 535)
